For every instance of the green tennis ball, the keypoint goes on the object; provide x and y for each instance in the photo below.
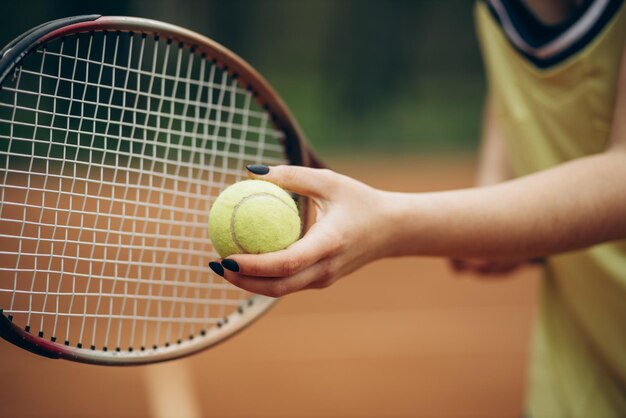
(253, 216)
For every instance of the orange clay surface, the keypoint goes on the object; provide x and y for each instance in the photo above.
(398, 338)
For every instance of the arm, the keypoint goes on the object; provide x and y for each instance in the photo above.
(493, 166)
(572, 206)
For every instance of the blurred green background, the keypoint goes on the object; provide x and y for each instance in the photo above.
(373, 76)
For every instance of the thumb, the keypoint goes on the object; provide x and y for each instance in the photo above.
(306, 181)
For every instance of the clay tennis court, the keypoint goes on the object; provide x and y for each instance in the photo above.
(399, 338)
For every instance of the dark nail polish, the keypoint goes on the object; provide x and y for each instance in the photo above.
(258, 169)
(230, 265)
(217, 268)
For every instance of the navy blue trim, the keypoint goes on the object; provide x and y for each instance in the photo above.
(23, 44)
(534, 31)
(537, 34)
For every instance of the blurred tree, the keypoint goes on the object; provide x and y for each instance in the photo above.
(391, 75)
(372, 52)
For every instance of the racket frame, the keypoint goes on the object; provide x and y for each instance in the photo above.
(296, 149)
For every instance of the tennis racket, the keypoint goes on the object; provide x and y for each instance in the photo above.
(116, 134)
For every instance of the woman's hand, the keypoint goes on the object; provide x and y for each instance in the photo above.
(490, 268)
(349, 232)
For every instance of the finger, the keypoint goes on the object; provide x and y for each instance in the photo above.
(467, 264)
(457, 265)
(314, 246)
(537, 261)
(302, 180)
(497, 270)
(277, 287)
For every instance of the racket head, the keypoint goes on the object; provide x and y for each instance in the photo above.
(35, 272)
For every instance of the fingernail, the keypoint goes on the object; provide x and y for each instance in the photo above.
(230, 265)
(217, 268)
(258, 169)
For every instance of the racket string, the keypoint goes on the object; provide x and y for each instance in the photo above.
(110, 166)
(159, 320)
(177, 167)
(145, 115)
(192, 213)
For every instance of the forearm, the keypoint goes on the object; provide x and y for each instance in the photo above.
(493, 164)
(572, 206)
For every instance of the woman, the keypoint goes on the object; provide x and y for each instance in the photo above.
(555, 123)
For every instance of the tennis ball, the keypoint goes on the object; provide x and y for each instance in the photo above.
(253, 216)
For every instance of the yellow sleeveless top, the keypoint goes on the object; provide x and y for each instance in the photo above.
(548, 116)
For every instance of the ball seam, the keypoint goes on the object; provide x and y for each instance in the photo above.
(233, 234)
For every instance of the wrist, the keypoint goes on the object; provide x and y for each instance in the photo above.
(407, 223)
